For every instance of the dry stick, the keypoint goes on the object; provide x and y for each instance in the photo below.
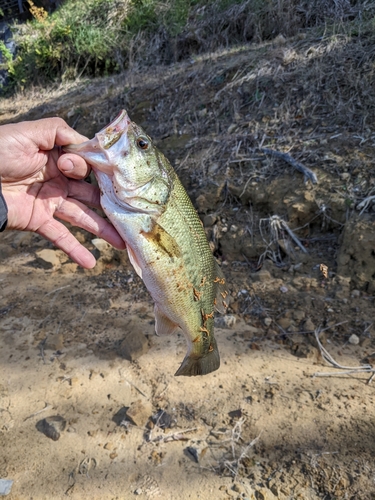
(47, 407)
(347, 369)
(133, 385)
(57, 290)
(308, 174)
(172, 436)
(365, 203)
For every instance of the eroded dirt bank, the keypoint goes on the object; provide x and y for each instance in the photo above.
(263, 426)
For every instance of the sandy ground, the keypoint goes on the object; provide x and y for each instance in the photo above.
(261, 425)
(266, 425)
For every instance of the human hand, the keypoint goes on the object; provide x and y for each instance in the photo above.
(36, 191)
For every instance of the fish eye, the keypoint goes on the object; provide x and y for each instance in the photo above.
(143, 143)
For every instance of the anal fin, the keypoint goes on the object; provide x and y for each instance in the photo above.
(163, 325)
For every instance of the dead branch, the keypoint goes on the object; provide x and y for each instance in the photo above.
(345, 370)
(307, 173)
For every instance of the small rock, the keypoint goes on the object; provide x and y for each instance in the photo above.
(5, 487)
(209, 220)
(354, 339)
(262, 275)
(235, 414)
(105, 249)
(162, 419)
(108, 446)
(251, 332)
(139, 412)
(49, 259)
(284, 323)
(195, 453)
(52, 426)
(298, 315)
(134, 345)
(264, 494)
(69, 268)
(227, 321)
(309, 326)
(267, 322)
(355, 294)
(55, 342)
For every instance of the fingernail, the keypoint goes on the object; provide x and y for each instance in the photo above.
(67, 165)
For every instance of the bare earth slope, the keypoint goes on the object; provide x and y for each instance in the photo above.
(266, 425)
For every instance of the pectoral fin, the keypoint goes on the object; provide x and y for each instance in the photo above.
(134, 261)
(163, 325)
(162, 241)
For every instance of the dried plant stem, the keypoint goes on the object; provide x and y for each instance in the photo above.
(346, 370)
(308, 174)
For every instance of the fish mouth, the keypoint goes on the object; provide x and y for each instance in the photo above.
(101, 150)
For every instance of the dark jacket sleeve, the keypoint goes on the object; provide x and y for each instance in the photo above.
(3, 212)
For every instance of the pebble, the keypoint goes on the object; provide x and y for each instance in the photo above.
(227, 321)
(209, 220)
(267, 321)
(5, 486)
(354, 339)
(356, 294)
(298, 315)
(251, 332)
(195, 453)
(264, 494)
(55, 342)
(262, 275)
(162, 419)
(105, 249)
(309, 326)
(139, 412)
(134, 345)
(49, 259)
(284, 323)
(52, 426)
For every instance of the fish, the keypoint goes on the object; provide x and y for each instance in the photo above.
(144, 199)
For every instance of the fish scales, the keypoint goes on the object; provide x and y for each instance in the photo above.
(165, 239)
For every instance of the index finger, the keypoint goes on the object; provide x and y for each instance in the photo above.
(50, 132)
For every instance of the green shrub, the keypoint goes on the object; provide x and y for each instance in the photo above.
(98, 37)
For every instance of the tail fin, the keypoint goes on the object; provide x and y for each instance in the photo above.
(193, 365)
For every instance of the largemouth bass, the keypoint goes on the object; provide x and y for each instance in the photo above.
(144, 199)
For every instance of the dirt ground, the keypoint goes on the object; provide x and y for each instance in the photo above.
(277, 420)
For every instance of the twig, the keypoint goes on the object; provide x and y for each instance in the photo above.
(131, 383)
(57, 290)
(172, 436)
(347, 370)
(308, 174)
(235, 465)
(47, 407)
(365, 203)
